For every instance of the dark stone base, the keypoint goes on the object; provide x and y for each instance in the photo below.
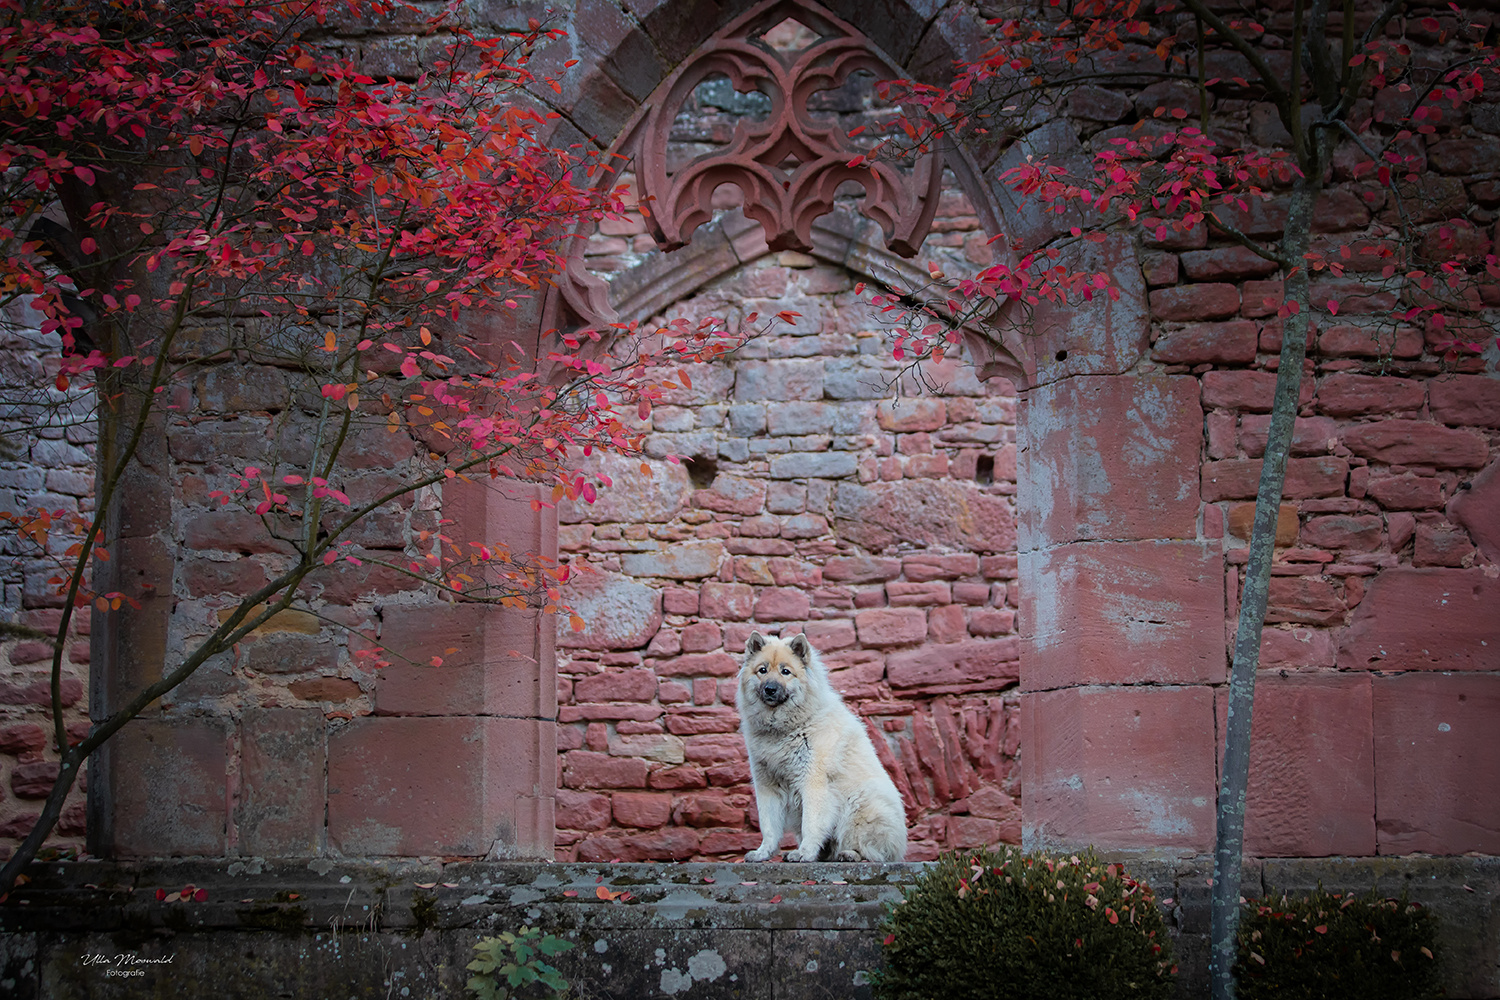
(406, 929)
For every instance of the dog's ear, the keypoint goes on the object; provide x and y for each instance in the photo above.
(754, 644)
(801, 648)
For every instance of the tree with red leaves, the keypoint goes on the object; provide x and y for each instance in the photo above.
(187, 186)
(1353, 96)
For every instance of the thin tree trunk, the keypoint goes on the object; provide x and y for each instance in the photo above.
(1229, 845)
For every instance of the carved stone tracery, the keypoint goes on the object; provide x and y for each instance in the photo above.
(789, 165)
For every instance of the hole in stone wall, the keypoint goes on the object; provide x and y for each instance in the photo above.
(984, 470)
(1062, 355)
(701, 471)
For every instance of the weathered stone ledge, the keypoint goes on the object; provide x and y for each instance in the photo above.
(405, 928)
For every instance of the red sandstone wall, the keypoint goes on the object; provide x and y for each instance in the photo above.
(809, 500)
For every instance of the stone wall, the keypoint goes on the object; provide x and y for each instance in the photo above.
(1381, 660)
(764, 931)
(47, 440)
(809, 497)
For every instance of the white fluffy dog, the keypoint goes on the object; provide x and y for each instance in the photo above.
(815, 770)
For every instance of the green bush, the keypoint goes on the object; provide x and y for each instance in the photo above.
(1006, 925)
(1332, 945)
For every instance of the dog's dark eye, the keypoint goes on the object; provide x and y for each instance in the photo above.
(761, 670)
(785, 672)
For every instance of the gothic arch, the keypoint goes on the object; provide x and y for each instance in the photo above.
(787, 167)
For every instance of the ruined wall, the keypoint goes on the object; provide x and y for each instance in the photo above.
(1380, 670)
(808, 499)
(47, 440)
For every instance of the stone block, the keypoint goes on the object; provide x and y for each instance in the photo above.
(1478, 509)
(184, 762)
(1346, 340)
(1312, 776)
(814, 465)
(906, 595)
(701, 637)
(1226, 264)
(1122, 613)
(1349, 395)
(699, 665)
(206, 577)
(1241, 522)
(582, 810)
(642, 809)
(1435, 763)
(1406, 492)
(732, 494)
(631, 496)
(330, 689)
(1231, 342)
(616, 685)
(475, 787)
(726, 601)
(1086, 437)
(1417, 442)
(1127, 767)
(1360, 533)
(991, 664)
(799, 418)
(779, 604)
(860, 569)
(345, 583)
(891, 626)
(282, 796)
(288, 653)
(617, 612)
(909, 414)
(854, 378)
(1193, 303)
(1441, 545)
(1239, 478)
(1310, 435)
(1102, 336)
(1296, 648)
(760, 381)
(681, 561)
(1246, 390)
(1425, 619)
(495, 661)
(922, 568)
(831, 634)
(1466, 400)
(1305, 600)
(923, 511)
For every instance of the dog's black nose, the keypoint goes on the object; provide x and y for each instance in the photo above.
(772, 693)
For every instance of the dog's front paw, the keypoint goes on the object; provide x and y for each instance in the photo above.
(759, 854)
(800, 855)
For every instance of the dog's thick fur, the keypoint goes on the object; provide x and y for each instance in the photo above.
(815, 770)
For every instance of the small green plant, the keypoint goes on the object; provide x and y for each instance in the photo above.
(515, 958)
(1329, 946)
(1007, 925)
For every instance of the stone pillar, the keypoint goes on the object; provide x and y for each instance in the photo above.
(458, 758)
(1122, 601)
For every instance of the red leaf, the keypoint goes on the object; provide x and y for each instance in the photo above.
(889, 940)
(776, 898)
(1333, 307)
